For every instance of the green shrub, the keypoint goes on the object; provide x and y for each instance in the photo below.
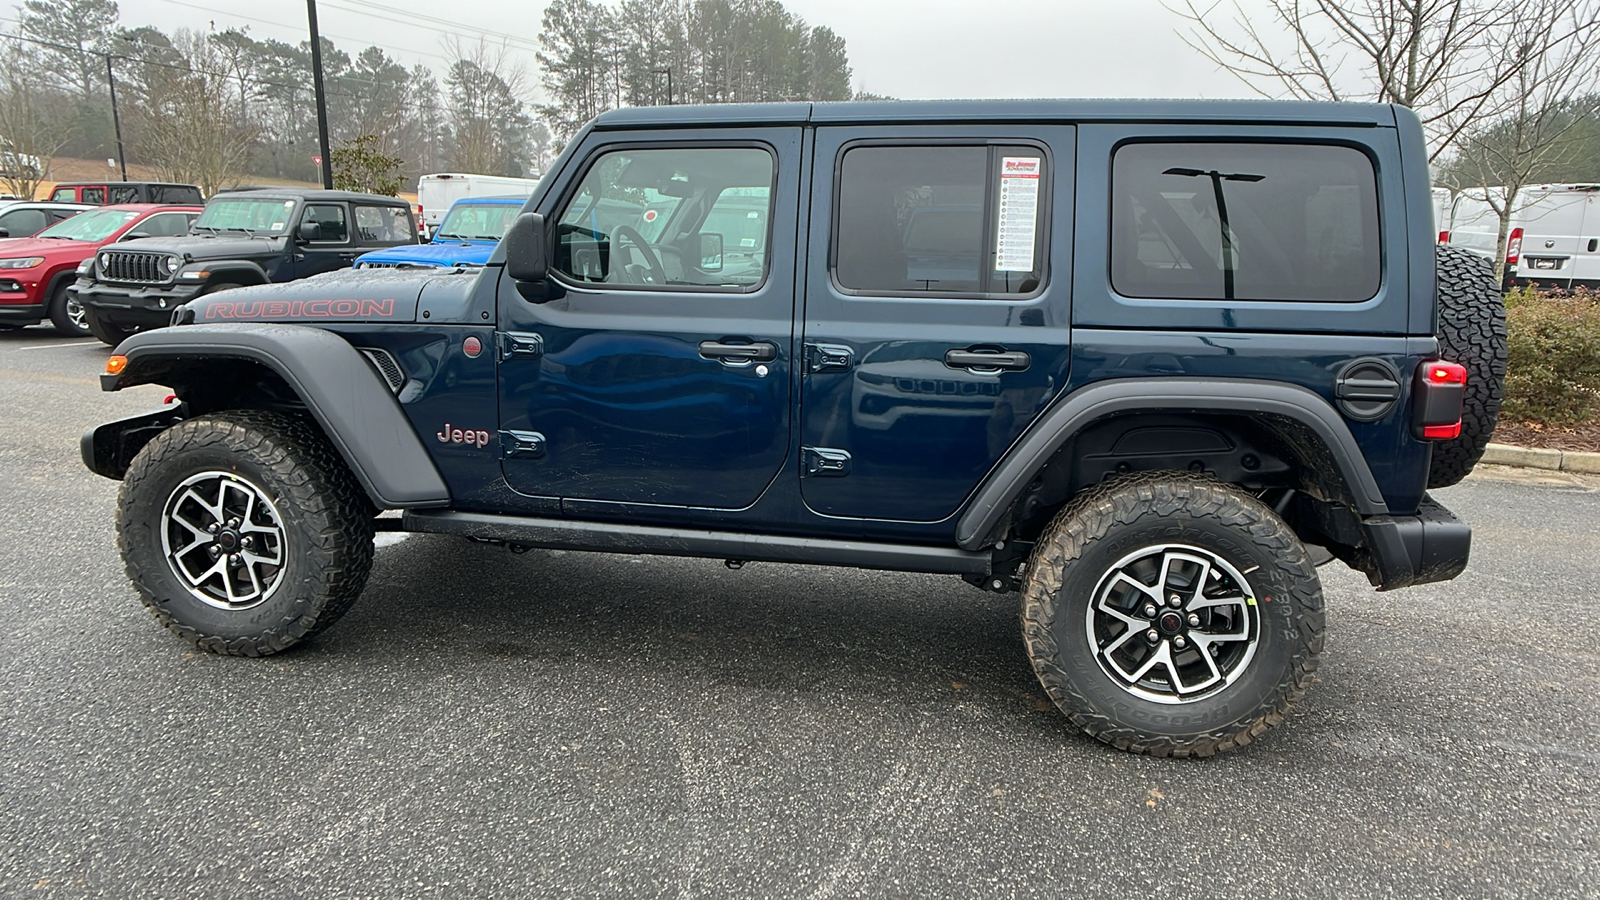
(1553, 369)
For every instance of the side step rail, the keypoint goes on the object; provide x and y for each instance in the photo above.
(621, 537)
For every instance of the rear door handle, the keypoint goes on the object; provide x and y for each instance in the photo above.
(737, 352)
(991, 360)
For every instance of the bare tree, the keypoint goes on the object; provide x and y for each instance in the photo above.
(1442, 58)
(184, 119)
(1553, 49)
(31, 128)
(489, 122)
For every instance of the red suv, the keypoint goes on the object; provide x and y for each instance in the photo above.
(36, 272)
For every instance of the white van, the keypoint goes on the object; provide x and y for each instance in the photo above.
(1554, 239)
(1443, 208)
(435, 193)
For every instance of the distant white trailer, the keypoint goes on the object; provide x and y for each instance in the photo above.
(436, 192)
(1554, 239)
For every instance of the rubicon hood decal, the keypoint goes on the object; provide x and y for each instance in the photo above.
(347, 296)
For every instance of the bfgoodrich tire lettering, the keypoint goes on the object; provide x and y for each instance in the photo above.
(1116, 524)
(311, 531)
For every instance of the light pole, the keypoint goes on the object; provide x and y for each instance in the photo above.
(667, 72)
(322, 100)
(116, 119)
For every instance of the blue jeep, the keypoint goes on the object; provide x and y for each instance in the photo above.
(1147, 364)
(467, 237)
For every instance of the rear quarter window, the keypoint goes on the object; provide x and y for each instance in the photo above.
(1240, 221)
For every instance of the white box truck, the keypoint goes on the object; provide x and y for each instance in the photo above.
(436, 192)
(1554, 239)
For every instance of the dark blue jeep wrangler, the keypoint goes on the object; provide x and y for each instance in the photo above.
(1146, 363)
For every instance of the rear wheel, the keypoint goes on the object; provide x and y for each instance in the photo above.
(1472, 332)
(67, 312)
(244, 532)
(1172, 615)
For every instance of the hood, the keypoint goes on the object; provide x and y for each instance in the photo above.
(13, 248)
(206, 246)
(446, 253)
(346, 295)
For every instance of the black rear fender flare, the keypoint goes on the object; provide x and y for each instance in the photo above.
(1085, 406)
(341, 390)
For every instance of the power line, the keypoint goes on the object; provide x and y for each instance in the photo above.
(300, 30)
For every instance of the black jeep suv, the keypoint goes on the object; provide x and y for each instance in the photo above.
(242, 238)
(1144, 363)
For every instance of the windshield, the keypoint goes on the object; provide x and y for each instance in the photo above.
(477, 221)
(96, 225)
(251, 215)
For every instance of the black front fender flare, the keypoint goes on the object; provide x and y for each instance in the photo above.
(1006, 481)
(343, 392)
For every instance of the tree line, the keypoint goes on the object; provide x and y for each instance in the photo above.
(216, 107)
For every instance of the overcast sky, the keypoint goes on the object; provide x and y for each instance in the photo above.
(914, 49)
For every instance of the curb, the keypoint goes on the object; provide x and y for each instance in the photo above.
(1533, 458)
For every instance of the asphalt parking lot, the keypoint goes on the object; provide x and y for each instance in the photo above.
(573, 725)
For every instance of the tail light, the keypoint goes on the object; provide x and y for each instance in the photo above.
(1440, 388)
(1444, 237)
(1514, 247)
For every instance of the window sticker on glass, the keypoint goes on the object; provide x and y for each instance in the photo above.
(1019, 213)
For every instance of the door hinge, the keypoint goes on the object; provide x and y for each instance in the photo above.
(522, 444)
(829, 357)
(824, 462)
(519, 344)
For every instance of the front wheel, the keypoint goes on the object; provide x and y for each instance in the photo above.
(244, 532)
(67, 312)
(107, 333)
(1172, 615)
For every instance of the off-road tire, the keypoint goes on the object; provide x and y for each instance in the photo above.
(1106, 523)
(325, 517)
(108, 334)
(1472, 332)
(61, 316)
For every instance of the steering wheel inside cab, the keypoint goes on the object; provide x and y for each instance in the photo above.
(629, 246)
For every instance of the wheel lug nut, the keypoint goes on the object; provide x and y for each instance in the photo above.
(214, 550)
(1179, 642)
(1174, 601)
(1152, 636)
(1149, 610)
(1194, 620)
(213, 528)
(235, 560)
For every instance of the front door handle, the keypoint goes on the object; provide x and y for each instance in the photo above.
(991, 360)
(739, 352)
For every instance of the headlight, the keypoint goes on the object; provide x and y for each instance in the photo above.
(105, 260)
(21, 262)
(172, 264)
(86, 266)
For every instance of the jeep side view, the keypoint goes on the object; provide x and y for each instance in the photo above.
(1146, 364)
(241, 238)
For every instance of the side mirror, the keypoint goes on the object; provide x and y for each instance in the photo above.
(135, 235)
(710, 252)
(4, 233)
(526, 256)
(310, 231)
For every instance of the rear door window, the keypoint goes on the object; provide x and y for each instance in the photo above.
(94, 195)
(1240, 221)
(957, 221)
(383, 225)
(125, 193)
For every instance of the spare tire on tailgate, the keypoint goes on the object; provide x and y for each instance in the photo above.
(1472, 332)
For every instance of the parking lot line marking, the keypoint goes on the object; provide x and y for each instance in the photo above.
(18, 375)
(52, 346)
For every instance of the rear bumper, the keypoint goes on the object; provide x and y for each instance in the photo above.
(1432, 545)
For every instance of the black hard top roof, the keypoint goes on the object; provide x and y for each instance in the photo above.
(313, 194)
(62, 184)
(909, 112)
